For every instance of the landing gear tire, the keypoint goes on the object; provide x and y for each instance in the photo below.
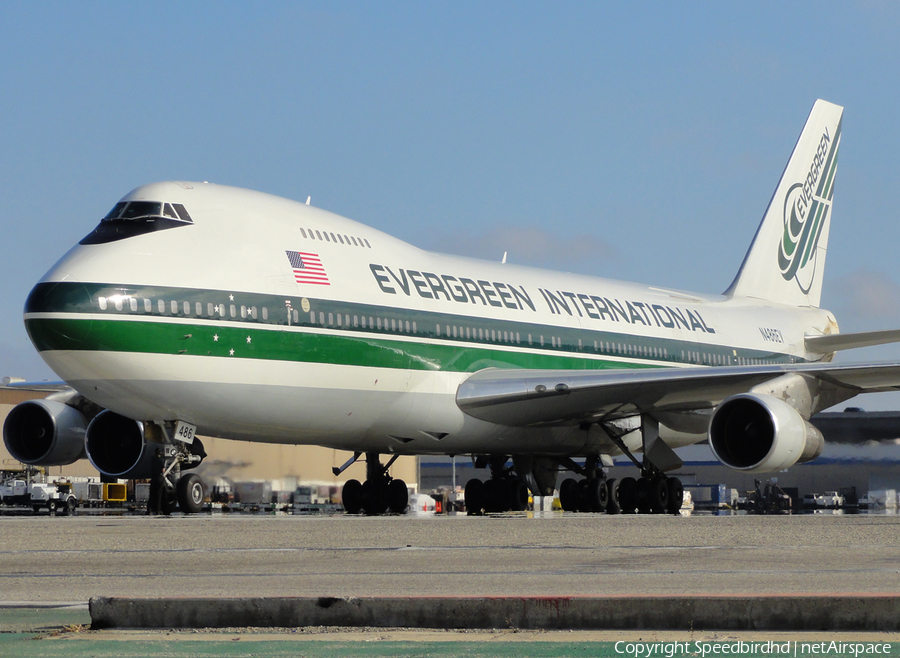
(597, 495)
(582, 504)
(643, 496)
(501, 495)
(474, 497)
(191, 493)
(494, 499)
(351, 496)
(676, 495)
(628, 495)
(657, 494)
(398, 496)
(517, 495)
(568, 495)
(374, 498)
(613, 506)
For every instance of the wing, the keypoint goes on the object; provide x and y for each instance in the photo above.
(522, 398)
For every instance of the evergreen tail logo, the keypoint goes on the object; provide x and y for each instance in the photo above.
(806, 208)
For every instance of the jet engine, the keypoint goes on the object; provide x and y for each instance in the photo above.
(758, 433)
(117, 446)
(44, 433)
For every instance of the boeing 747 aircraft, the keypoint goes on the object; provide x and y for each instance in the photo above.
(201, 309)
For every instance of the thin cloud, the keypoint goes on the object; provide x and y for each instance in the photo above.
(872, 451)
(865, 299)
(531, 246)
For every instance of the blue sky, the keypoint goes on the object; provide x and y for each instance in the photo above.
(639, 141)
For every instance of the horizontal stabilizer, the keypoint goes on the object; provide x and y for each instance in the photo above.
(21, 384)
(836, 342)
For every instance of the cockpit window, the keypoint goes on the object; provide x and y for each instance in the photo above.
(130, 218)
(182, 212)
(141, 209)
(117, 210)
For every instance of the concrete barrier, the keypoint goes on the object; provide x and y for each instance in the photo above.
(794, 613)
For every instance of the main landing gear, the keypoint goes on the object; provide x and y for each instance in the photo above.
(595, 493)
(653, 493)
(380, 492)
(656, 494)
(504, 492)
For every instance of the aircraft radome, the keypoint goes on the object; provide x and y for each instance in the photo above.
(201, 309)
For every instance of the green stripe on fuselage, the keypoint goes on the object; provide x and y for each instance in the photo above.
(154, 319)
(291, 345)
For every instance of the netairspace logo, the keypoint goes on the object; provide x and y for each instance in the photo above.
(791, 648)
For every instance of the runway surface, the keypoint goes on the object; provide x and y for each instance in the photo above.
(46, 559)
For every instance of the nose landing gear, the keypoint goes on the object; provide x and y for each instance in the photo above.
(168, 487)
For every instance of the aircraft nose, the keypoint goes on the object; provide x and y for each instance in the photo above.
(57, 315)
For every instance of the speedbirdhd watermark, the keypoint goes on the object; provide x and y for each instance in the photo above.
(773, 649)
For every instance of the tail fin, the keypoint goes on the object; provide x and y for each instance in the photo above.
(787, 257)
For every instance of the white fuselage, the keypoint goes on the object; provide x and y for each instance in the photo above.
(211, 323)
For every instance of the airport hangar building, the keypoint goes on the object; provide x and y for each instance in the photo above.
(849, 460)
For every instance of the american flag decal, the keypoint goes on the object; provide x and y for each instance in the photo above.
(308, 268)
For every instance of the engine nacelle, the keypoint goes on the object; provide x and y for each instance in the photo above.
(44, 433)
(117, 447)
(758, 433)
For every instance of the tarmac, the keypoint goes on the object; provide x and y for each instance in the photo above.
(520, 577)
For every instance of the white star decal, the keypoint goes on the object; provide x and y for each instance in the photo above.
(231, 352)
(248, 339)
(216, 338)
(231, 298)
